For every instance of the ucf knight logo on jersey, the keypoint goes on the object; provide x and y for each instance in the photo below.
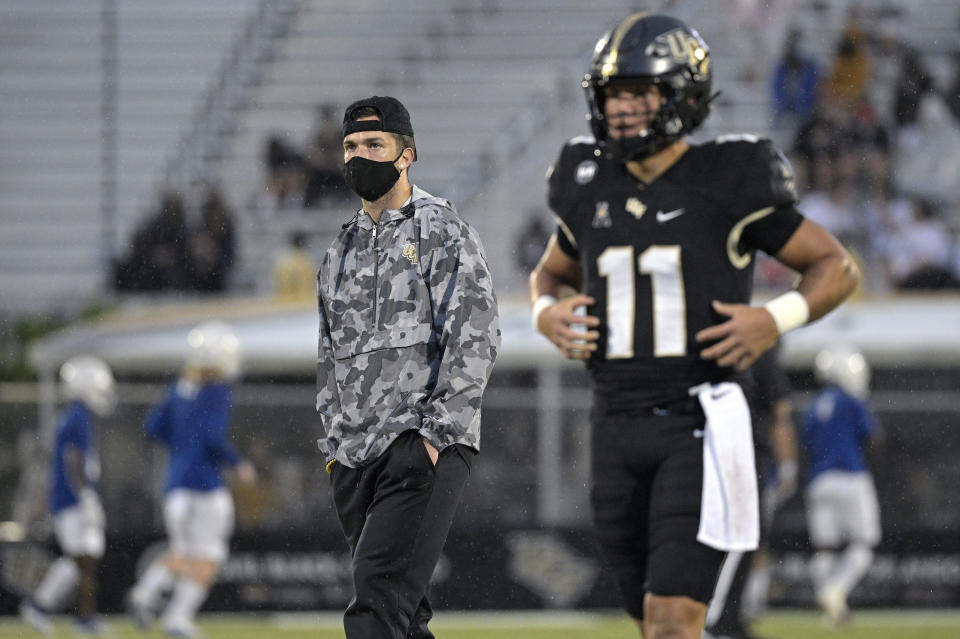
(635, 207)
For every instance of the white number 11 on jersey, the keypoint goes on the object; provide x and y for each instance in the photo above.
(662, 264)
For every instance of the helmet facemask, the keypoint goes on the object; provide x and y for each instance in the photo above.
(666, 127)
(658, 50)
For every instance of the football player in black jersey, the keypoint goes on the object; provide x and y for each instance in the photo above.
(658, 236)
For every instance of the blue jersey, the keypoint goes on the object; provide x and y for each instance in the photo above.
(835, 429)
(75, 431)
(193, 421)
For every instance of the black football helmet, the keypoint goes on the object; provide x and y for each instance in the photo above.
(651, 49)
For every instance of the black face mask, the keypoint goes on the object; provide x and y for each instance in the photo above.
(370, 179)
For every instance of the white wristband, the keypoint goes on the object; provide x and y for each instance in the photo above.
(540, 305)
(789, 311)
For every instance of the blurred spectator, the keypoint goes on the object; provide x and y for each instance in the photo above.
(875, 163)
(868, 143)
(819, 139)
(285, 172)
(847, 138)
(157, 257)
(952, 95)
(885, 211)
(927, 158)
(324, 166)
(794, 83)
(850, 73)
(212, 245)
(295, 272)
(921, 252)
(771, 274)
(531, 242)
(912, 84)
(766, 21)
(831, 203)
(887, 42)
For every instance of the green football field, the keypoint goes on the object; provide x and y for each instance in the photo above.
(540, 625)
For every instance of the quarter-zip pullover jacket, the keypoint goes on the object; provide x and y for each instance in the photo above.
(409, 331)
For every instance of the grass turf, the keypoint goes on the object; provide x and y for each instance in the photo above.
(539, 625)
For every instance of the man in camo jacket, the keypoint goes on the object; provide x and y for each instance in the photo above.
(409, 333)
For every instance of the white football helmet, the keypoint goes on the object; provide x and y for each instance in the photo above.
(214, 346)
(845, 366)
(88, 379)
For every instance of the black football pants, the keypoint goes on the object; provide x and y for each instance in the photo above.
(396, 513)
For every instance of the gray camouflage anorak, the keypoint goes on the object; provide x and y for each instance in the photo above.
(409, 331)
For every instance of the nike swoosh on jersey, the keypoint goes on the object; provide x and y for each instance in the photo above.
(666, 217)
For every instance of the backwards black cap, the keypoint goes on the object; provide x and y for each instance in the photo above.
(394, 117)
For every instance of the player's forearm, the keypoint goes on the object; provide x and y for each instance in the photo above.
(555, 271)
(545, 282)
(826, 283)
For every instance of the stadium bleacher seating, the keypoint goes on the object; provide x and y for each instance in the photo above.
(52, 249)
(493, 87)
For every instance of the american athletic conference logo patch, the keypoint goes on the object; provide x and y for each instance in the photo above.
(410, 252)
(601, 219)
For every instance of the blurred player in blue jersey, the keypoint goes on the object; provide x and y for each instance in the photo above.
(842, 511)
(78, 519)
(192, 422)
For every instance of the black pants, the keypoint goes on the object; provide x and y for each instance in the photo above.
(396, 513)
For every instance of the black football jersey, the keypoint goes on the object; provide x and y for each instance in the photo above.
(654, 256)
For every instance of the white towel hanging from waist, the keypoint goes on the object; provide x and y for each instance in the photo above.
(729, 508)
